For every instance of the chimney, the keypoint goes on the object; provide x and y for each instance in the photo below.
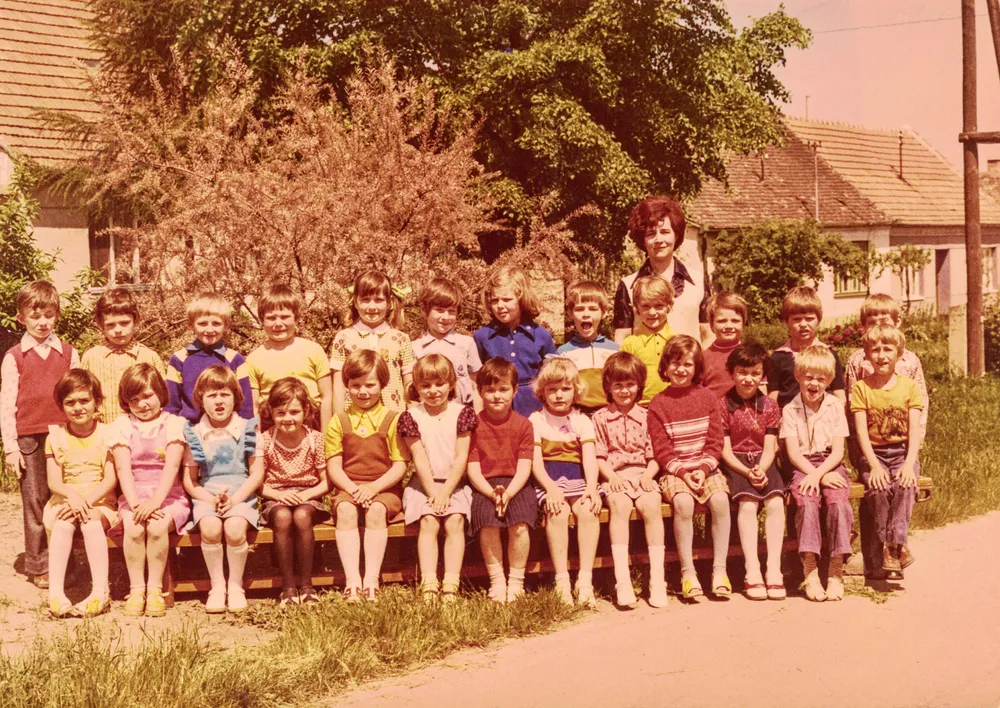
(901, 154)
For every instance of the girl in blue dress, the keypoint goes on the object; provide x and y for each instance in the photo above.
(222, 472)
(513, 334)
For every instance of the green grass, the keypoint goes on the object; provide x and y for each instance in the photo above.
(314, 651)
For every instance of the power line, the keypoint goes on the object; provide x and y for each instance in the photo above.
(890, 24)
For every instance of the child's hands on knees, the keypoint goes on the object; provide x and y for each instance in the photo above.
(879, 478)
(592, 499)
(13, 458)
(834, 481)
(144, 511)
(79, 506)
(907, 476)
(615, 482)
(554, 500)
(809, 484)
(647, 483)
(290, 498)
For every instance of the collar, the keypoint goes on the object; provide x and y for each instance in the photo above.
(715, 345)
(577, 341)
(428, 338)
(372, 413)
(132, 351)
(634, 413)
(52, 341)
(234, 428)
(734, 401)
(828, 400)
(364, 330)
(679, 270)
(217, 348)
(646, 334)
(526, 328)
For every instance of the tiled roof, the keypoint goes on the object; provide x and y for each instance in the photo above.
(44, 59)
(860, 182)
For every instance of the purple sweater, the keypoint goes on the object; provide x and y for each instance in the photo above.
(187, 364)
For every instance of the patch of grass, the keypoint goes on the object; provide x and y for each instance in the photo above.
(961, 452)
(316, 650)
(870, 593)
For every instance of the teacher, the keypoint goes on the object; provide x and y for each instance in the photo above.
(657, 225)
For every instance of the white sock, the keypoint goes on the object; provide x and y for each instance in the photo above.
(60, 548)
(562, 579)
(349, 550)
(213, 562)
(498, 586)
(451, 580)
(237, 557)
(375, 543)
(96, 543)
(585, 579)
(516, 582)
(657, 574)
(619, 553)
(746, 521)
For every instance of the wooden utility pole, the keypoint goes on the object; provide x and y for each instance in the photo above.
(971, 138)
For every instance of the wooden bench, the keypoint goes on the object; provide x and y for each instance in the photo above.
(400, 562)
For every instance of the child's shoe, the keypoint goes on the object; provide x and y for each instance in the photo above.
(93, 606)
(60, 606)
(775, 585)
(658, 595)
(721, 587)
(430, 588)
(755, 591)
(890, 561)
(370, 593)
(216, 602)
(449, 592)
(514, 592)
(691, 588)
(135, 604)
(237, 600)
(352, 594)
(308, 596)
(564, 591)
(906, 557)
(40, 581)
(834, 589)
(585, 596)
(289, 596)
(625, 595)
(156, 605)
(813, 587)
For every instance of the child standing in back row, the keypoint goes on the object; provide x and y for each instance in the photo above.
(441, 304)
(654, 298)
(29, 373)
(587, 304)
(117, 316)
(727, 313)
(512, 332)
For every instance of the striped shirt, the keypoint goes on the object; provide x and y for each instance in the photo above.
(685, 425)
(561, 437)
(186, 366)
(109, 365)
(589, 357)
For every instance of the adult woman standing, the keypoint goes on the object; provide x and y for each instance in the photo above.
(657, 226)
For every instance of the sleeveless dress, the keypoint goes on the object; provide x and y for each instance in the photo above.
(365, 459)
(82, 463)
(223, 463)
(148, 441)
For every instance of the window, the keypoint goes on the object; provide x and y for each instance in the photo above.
(117, 259)
(989, 269)
(844, 284)
(915, 276)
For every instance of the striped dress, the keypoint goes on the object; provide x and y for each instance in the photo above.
(685, 426)
(561, 439)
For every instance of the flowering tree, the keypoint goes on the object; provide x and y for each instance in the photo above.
(227, 201)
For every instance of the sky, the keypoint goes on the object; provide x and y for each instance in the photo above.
(906, 73)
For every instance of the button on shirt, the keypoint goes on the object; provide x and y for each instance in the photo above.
(525, 347)
(649, 346)
(623, 438)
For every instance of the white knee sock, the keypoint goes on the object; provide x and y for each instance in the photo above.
(498, 586)
(237, 557)
(657, 574)
(375, 543)
(349, 550)
(746, 521)
(619, 554)
(213, 562)
(516, 582)
(96, 544)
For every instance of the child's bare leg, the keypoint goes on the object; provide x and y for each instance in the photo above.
(305, 542)
(620, 506)
(518, 546)
(492, 549)
(557, 534)
(349, 544)
(157, 549)
(60, 547)
(648, 506)
(376, 539)
(588, 530)
(774, 535)
(427, 551)
(237, 550)
(134, 547)
(454, 551)
(684, 535)
(281, 523)
(746, 521)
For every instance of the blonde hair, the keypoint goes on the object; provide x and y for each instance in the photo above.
(556, 370)
(217, 378)
(433, 367)
(884, 334)
(518, 281)
(801, 300)
(209, 304)
(878, 304)
(586, 291)
(727, 300)
(653, 288)
(817, 359)
(374, 282)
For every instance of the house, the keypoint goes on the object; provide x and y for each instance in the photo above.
(874, 186)
(44, 60)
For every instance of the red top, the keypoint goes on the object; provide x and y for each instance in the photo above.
(685, 425)
(715, 377)
(37, 379)
(497, 446)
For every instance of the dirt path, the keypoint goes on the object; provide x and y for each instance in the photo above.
(936, 643)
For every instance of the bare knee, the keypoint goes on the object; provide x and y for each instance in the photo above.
(211, 529)
(718, 504)
(774, 505)
(347, 516)
(619, 504)
(134, 532)
(518, 531)
(158, 528)
(648, 506)
(454, 524)
(429, 525)
(236, 531)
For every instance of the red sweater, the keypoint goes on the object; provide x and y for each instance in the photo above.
(715, 376)
(685, 425)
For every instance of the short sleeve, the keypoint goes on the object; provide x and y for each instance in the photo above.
(526, 442)
(914, 399)
(319, 458)
(254, 371)
(120, 432)
(725, 416)
(473, 362)
(467, 420)
(536, 421)
(772, 416)
(174, 426)
(194, 443)
(338, 351)
(49, 450)
(333, 439)
(318, 362)
(584, 428)
(859, 401)
(251, 438)
(601, 436)
(787, 423)
(407, 426)
(396, 451)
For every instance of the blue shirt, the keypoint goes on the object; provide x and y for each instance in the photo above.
(525, 347)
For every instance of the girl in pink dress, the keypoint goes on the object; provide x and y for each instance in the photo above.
(148, 445)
